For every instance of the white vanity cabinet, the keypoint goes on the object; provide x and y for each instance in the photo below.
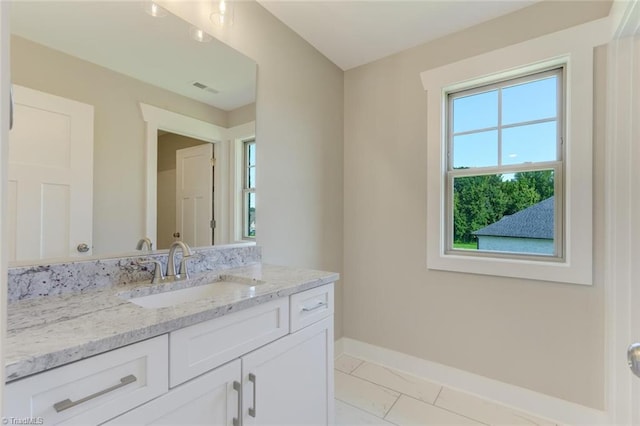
(271, 364)
(287, 382)
(283, 375)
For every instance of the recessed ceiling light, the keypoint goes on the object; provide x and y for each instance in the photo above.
(222, 14)
(199, 35)
(154, 10)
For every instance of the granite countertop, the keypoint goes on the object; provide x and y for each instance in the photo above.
(47, 332)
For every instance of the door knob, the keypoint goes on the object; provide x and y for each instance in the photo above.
(633, 357)
(82, 248)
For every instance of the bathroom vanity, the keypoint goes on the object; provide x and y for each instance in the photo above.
(257, 349)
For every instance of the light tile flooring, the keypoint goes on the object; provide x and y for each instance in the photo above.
(370, 394)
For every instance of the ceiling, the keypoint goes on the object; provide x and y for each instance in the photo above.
(120, 36)
(353, 33)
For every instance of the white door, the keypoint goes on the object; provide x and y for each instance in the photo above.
(627, 251)
(50, 205)
(289, 382)
(194, 195)
(622, 210)
(211, 399)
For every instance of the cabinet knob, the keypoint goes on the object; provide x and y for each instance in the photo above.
(82, 248)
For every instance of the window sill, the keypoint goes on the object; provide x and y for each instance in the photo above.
(553, 269)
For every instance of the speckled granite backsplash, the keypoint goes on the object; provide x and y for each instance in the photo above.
(57, 278)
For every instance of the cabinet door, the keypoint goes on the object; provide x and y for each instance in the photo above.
(211, 399)
(290, 381)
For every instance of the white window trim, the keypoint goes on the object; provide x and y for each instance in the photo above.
(246, 190)
(238, 135)
(574, 47)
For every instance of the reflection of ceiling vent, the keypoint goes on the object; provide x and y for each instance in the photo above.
(204, 87)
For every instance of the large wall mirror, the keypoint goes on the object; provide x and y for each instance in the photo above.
(126, 126)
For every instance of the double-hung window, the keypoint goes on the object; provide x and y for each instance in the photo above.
(504, 168)
(249, 190)
(510, 159)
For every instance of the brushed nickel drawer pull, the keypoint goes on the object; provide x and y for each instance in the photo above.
(238, 388)
(252, 410)
(67, 403)
(318, 306)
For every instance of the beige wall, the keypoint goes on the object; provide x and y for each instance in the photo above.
(119, 132)
(166, 202)
(168, 144)
(241, 115)
(299, 127)
(544, 336)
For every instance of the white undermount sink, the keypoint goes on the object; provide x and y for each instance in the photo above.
(175, 293)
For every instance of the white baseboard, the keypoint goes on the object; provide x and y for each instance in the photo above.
(538, 404)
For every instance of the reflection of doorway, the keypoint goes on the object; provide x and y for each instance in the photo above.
(50, 187)
(161, 119)
(196, 192)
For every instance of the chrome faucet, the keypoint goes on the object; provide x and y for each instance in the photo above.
(146, 241)
(182, 273)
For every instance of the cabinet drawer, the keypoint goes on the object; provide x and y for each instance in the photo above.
(199, 348)
(95, 389)
(311, 306)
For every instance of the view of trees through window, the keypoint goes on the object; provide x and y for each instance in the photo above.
(504, 158)
(479, 201)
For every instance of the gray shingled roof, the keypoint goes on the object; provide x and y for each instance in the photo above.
(533, 222)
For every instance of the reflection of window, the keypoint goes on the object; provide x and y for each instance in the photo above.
(249, 190)
(504, 167)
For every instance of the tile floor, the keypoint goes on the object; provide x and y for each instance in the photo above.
(370, 394)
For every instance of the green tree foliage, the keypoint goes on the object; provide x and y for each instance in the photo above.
(479, 201)
(541, 181)
(520, 194)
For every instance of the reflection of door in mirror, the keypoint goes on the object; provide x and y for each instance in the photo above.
(50, 177)
(194, 195)
(184, 190)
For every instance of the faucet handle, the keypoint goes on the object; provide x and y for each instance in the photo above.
(158, 276)
(183, 272)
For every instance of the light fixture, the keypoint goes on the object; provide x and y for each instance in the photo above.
(154, 10)
(199, 35)
(222, 14)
